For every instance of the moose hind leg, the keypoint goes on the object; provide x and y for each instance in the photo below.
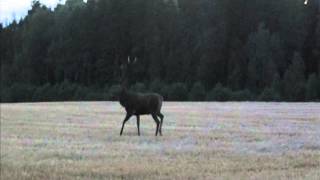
(157, 122)
(124, 121)
(161, 118)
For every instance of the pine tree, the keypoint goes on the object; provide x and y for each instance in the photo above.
(261, 67)
(312, 88)
(294, 80)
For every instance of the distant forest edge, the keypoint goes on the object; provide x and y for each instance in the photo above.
(215, 50)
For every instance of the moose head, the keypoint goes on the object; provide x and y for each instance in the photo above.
(126, 69)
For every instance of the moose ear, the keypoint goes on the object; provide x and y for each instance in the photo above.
(128, 59)
(135, 60)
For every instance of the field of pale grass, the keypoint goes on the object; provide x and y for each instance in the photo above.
(80, 140)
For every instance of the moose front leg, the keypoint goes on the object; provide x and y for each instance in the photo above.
(138, 124)
(124, 121)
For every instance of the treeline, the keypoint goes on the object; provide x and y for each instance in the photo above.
(67, 91)
(222, 50)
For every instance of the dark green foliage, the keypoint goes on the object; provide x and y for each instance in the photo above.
(94, 96)
(197, 92)
(219, 93)
(17, 92)
(262, 50)
(113, 92)
(276, 85)
(81, 93)
(61, 92)
(242, 95)
(272, 93)
(156, 86)
(139, 87)
(237, 68)
(318, 87)
(294, 80)
(66, 90)
(269, 94)
(177, 92)
(312, 88)
(165, 91)
(45, 93)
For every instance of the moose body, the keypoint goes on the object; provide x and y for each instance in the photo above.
(140, 104)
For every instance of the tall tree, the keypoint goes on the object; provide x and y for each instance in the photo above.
(294, 79)
(262, 50)
(36, 38)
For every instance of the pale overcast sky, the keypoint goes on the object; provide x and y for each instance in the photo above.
(16, 9)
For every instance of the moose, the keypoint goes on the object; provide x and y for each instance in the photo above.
(139, 103)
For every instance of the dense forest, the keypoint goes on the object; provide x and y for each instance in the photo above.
(214, 50)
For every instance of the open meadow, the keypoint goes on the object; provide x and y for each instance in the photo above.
(205, 140)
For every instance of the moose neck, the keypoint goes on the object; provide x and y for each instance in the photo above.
(124, 86)
(123, 93)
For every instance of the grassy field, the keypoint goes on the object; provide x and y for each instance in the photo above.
(80, 140)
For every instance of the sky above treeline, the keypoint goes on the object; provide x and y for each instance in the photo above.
(17, 9)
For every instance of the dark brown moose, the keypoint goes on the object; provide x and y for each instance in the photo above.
(139, 103)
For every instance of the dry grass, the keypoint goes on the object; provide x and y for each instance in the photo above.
(80, 140)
